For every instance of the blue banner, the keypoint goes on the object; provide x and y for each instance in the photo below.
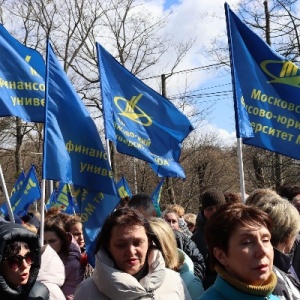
(95, 207)
(73, 151)
(266, 89)
(139, 121)
(22, 84)
(28, 193)
(156, 195)
(123, 188)
(14, 194)
(63, 199)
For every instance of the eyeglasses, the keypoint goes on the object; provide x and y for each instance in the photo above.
(16, 261)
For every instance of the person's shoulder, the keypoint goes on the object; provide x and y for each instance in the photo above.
(39, 291)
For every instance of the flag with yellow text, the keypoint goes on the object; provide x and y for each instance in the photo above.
(22, 84)
(28, 193)
(73, 151)
(141, 122)
(267, 91)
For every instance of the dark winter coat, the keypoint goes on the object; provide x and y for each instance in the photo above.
(10, 232)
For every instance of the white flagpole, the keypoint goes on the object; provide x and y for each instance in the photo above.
(10, 212)
(42, 225)
(241, 169)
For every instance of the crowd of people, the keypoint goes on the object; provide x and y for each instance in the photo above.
(229, 249)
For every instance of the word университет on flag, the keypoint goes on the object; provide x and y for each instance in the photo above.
(22, 83)
(266, 91)
(141, 122)
(72, 154)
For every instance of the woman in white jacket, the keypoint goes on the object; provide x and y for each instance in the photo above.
(52, 273)
(129, 264)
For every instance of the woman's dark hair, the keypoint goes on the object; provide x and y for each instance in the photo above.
(220, 227)
(124, 216)
(73, 220)
(14, 248)
(56, 224)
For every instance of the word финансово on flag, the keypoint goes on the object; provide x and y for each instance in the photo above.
(141, 122)
(267, 91)
(22, 85)
(73, 151)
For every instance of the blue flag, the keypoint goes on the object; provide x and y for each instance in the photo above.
(73, 151)
(267, 91)
(139, 121)
(28, 193)
(22, 84)
(63, 199)
(155, 196)
(14, 192)
(95, 208)
(123, 188)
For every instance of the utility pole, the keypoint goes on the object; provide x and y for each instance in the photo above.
(169, 180)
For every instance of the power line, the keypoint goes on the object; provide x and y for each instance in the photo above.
(187, 70)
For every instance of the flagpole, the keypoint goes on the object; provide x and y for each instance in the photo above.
(10, 212)
(108, 151)
(42, 226)
(241, 168)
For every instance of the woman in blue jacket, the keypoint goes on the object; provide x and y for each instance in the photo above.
(239, 243)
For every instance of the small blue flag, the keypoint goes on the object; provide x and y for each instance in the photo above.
(73, 151)
(28, 193)
(22, 84)
(14, 194)
(267, 90)
(95, 208)
(63, 199)
(123, 188)
(156, 195)
(139, 121)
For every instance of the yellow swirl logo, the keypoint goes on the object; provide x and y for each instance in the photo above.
(130, 110)
(288, 73)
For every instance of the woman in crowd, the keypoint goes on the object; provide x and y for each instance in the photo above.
(52, 273)
(74, 226)
(175, 258)
(210, 200)
(20, 258)
(69, 252)
(286, 225)
(129, 263)
(239, 243)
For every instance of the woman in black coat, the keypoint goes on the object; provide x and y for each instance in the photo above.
(20, 259)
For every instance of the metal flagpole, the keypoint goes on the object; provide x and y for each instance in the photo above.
(241, 169)
(10, 212)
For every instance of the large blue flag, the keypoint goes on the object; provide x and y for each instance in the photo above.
(22, 85)
(139, 121)
(95, 207)
(123, 188)
(267, 91)
(28, 193)
(73, 151)
(156, 195)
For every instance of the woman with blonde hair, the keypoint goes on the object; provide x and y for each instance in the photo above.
(286, 225)
(175, 258)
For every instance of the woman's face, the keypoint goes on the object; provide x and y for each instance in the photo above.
(51, 238)
(172, 219)
(129, 246)
(250, 254)
(209, 211)
(76, 231)
(16, 274)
